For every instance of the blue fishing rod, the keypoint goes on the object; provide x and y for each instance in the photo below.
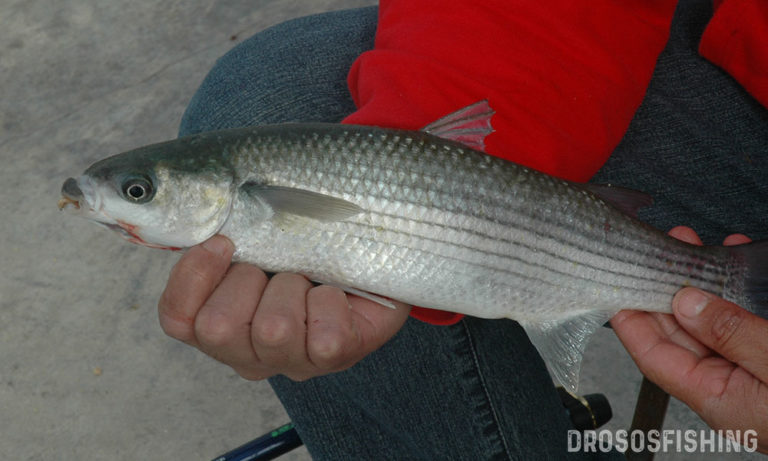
(268, 446)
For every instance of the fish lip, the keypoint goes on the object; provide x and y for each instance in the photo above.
(65, 201)
(71, 194)
(79, 193)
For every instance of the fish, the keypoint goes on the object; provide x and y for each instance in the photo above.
(423, 217)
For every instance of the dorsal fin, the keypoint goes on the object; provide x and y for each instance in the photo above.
(469, 125)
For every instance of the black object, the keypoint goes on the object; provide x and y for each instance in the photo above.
(268, 446)
(651, 407)
(587, 412)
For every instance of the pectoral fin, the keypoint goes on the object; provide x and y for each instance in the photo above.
(300, 202)
(561, 343)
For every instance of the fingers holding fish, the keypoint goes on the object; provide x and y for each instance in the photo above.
(711, 354)
(192, 280)
(344, 328)
(223, 324)
(663, 354)
(374, 325)
(662, 349)
(723, 326)
(635, 328)
(720, 328)
(262, 327)
(686, 234)
(734, 333)
(302, 331)
(279, 332)
(736, 239)
(652, 337)
(333, 339)
(729, 390)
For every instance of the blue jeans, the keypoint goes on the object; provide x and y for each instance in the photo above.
(478, 389)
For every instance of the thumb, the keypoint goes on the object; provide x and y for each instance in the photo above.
(733, 332)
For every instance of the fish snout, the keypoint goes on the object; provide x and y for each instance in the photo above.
(71, 194)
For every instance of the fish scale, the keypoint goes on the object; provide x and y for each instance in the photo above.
(420, 218)
(478, 244)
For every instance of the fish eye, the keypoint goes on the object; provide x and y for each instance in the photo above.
(138, 189)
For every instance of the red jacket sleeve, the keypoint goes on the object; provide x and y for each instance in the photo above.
(736, 39)
(564, 77)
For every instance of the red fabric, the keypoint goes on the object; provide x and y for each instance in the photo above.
(565, 77)
(736, 39)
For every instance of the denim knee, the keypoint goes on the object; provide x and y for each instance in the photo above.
(294, 71)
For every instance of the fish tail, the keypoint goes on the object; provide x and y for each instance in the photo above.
(748, 285)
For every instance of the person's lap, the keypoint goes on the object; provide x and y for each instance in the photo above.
(698, 144)
(478, 388)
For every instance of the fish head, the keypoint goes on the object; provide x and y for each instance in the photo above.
(167, 202)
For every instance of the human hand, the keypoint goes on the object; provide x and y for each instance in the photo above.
(711, 354)
(262, 327)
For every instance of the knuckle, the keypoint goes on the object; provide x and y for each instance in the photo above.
(272, 331)
(725, 324)
(328, 352)
(213, 330)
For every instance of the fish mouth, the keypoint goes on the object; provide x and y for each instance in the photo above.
(65, 201)
(71, 194)
(87, 203)
(79, 194)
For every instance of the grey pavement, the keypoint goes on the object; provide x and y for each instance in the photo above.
(85, 371)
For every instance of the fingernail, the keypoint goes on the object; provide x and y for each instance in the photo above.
(218, 245)
(691, 302)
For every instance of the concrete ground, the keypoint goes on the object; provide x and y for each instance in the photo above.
(85, 371)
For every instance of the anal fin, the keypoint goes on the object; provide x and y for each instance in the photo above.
(561, 343)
